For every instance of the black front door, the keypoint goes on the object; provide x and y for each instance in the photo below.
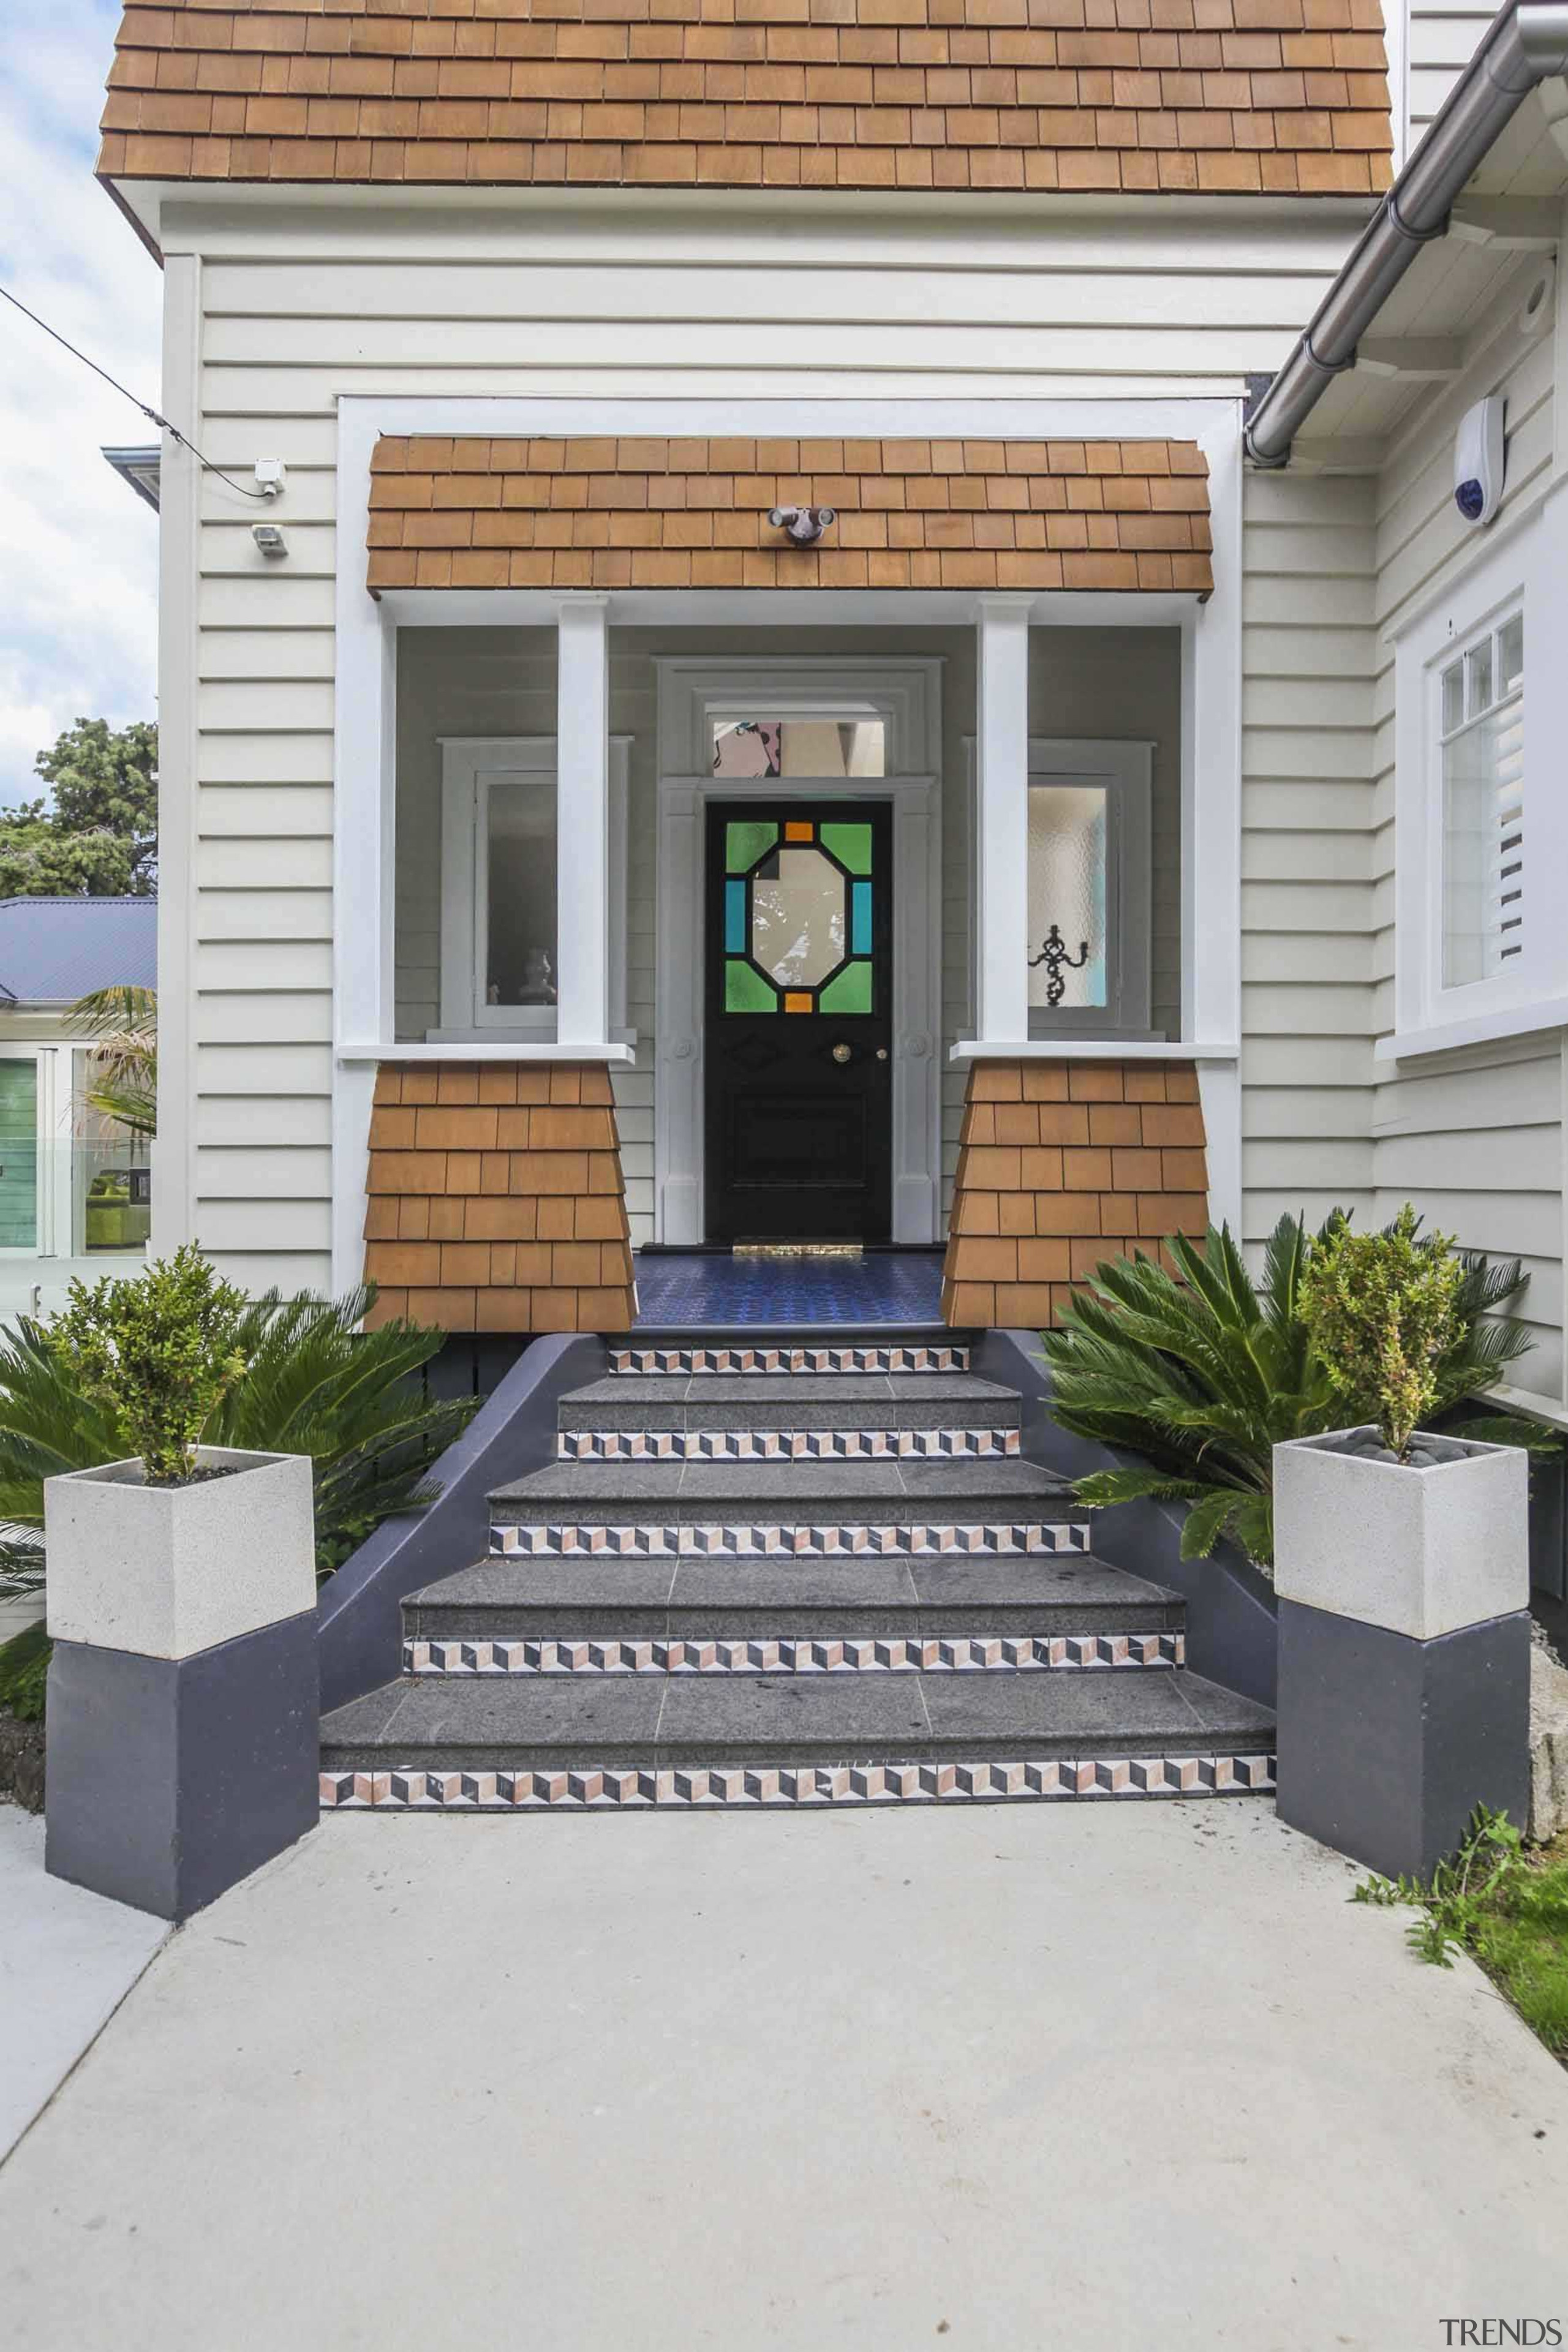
(799, 1028)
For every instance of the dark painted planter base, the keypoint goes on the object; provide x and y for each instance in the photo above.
(1386, 1745)
(171, 1780)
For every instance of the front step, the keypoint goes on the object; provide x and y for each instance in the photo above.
(784, 1740)
(1016, 1596)
(788, 1573)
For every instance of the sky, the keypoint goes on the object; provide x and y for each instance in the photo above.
(79, 550)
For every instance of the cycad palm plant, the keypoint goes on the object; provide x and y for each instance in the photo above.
(122, 1083)
(1202, 1372)
(315, 1384)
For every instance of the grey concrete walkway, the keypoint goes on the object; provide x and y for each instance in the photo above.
(67, 1959)
(1133, 2077)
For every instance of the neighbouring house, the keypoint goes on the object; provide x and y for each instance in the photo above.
(742, 678)
(75, 1187)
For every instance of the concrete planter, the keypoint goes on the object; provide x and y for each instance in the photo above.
(183, 1705)
(169, 1571)
(1422, 1551)
(1403, 1684)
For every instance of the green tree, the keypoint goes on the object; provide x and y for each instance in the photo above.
(95, 834)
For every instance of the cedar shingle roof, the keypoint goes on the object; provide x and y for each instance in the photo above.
(694, 514)
(1271, 96)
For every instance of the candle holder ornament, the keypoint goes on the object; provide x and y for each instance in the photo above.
(1059, 959)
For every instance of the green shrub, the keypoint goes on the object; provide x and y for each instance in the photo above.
(160, 1351)
(315, 1383)
(24, 1671)
(1381, 1311)
(1202, 1372)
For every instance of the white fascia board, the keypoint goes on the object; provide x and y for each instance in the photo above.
(357, 1052)
(1091, 1049)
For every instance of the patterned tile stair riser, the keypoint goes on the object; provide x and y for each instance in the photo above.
(786, 1654)
(758, 1787)
(867, 1357)
(772, 1539)
(786, 1444)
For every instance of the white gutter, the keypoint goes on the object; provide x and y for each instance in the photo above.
(1526, 44)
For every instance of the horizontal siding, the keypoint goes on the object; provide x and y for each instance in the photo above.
(1474, 1139)
(318, 302)
(1308, 662)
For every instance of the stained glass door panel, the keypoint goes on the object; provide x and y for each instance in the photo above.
(799, 1034)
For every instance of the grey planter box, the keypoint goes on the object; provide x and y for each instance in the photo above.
(183, 1710)
(1404, 1683)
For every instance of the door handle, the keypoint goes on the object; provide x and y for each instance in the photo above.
(841, 1052)
(881, 1053)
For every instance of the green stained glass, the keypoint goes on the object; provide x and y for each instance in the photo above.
(745, 989)
(850, 844)
(745, 841)
(850, 990)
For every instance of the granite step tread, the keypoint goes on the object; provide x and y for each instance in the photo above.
(655, 1721)
(603, 1595)
(789, 1401)
(622, 1489)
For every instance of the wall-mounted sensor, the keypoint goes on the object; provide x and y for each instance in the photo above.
(268, 538)
(1478, 460)
(271, 474)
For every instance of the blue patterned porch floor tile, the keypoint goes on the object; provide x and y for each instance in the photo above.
(682, 1292)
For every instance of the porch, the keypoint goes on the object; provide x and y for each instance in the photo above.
(892, 917)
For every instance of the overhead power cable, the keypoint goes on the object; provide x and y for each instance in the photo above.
(153, 414)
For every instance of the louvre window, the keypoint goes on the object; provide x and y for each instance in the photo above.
(1481, 723)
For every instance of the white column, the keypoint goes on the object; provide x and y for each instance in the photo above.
(582, 822)
(1002, 828)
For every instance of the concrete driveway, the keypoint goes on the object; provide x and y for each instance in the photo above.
(1124, 2076)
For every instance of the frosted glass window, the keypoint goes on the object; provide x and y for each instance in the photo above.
(1068, 871)
(800, 747)
(1482, 704)
(520, 941)
(797, 917)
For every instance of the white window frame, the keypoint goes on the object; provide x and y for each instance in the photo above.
(1124, 771)
(1516, 574)
(1125, 768)
(469, 765)
(61, 1213)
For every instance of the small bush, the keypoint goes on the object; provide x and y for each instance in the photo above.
(1382, 1309)
(160, 1351)
(24, 1672)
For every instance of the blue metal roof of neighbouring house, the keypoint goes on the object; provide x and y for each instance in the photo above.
(53, 951)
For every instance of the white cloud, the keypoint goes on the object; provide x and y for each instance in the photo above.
(79, 551)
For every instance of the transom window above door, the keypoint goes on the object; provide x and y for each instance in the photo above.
(822, 748)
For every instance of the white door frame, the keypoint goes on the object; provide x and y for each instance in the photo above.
(679, 996)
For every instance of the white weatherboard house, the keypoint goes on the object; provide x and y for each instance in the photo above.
(773, 624)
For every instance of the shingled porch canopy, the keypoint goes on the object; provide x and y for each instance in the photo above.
(579, 523)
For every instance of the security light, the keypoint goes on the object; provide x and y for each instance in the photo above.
(268, 538)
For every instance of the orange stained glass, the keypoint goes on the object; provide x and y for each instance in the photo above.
(796, 830)
(797, 1001)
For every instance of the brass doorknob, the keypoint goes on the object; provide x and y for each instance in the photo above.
(881, 1053)
(841, 1052)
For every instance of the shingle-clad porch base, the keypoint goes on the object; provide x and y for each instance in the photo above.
(495, 1199)
(1061, 1164)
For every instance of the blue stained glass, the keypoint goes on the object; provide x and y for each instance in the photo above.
(735, 917)
(860, 920)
